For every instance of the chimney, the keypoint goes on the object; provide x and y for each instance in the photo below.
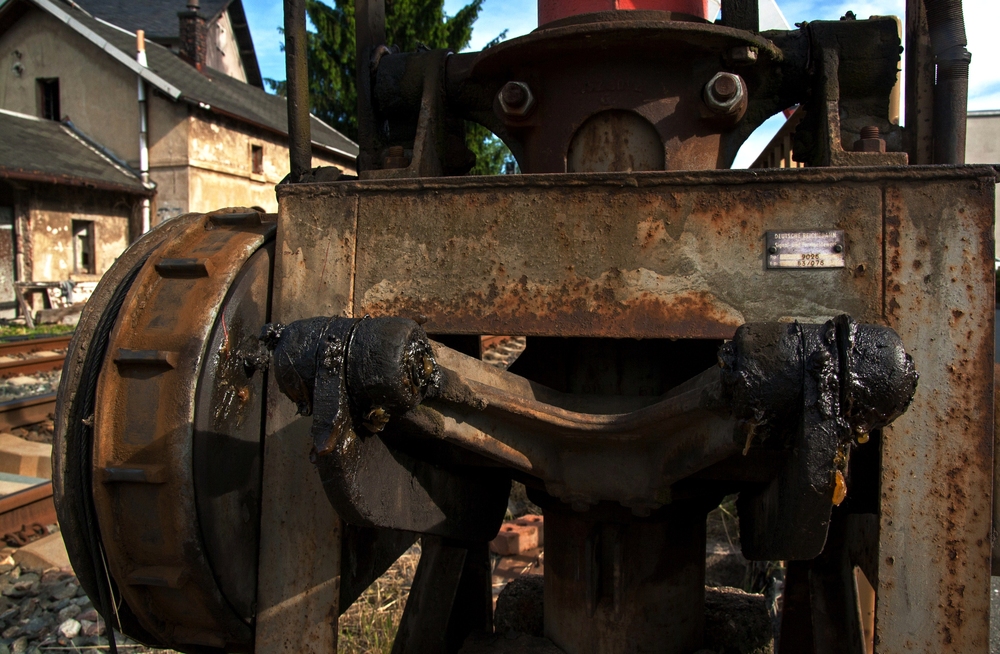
(194, 34)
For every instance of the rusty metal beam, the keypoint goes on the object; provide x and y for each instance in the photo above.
(297, 81)
(919, 85)
(370, 20)
(937, 460)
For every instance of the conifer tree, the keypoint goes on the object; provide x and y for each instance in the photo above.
(409, 24)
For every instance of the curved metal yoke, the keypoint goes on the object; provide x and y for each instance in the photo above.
(381, 394)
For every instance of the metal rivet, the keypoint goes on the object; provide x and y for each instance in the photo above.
(772, 250)
(838, 248)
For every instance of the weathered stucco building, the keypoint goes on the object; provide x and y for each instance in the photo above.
(213, 140)
(67, 209)
(181, 113)
(982, 146)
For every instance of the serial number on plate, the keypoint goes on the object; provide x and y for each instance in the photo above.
(819, 249)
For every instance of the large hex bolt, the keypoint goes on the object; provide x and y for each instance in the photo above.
(516, 99)
(871, 140)
(726, 94)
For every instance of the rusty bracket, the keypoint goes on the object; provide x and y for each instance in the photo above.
(854, 66)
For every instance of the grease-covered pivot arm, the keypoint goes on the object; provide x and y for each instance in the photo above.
(380, 386)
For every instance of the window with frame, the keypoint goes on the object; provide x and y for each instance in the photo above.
(48, 98)
(83, 247)
(257, 159)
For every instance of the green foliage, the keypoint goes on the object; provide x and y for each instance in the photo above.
(491, 154)
(409, 24)
(39, 331)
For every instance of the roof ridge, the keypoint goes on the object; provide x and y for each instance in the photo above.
(18, 114)
(108, 23)
(74, 5)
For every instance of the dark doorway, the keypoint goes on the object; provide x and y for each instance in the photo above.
(8, 301)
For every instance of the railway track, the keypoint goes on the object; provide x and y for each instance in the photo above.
(33, 505)
(26, 357)
(46, 350)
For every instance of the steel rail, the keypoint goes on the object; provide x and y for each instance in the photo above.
(30, 506)
(35, 364)
(26, 411)
(31, 345)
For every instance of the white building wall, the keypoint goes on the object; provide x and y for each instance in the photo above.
(982, 146)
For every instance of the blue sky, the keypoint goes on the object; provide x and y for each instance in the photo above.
(520, 17)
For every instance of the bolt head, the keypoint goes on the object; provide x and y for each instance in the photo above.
(516, 99)
(514, 94)
(724, 87)
(725, 93)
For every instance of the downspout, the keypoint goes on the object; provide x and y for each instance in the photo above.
(140, 43)
(946, 26)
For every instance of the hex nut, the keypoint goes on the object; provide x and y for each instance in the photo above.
(395, 157)
(516, 99)
(869, 145)
(871, 140)
(725, 93)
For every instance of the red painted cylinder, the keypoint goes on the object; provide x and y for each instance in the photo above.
(550, 10)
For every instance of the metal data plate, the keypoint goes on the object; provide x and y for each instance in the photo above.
(805, 249)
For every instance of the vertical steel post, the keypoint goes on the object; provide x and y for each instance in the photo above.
(370, 21)
(741, 14)
(297, 76)
(946, 26)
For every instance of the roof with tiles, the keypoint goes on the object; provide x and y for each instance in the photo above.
(158, 18)
(33, 149)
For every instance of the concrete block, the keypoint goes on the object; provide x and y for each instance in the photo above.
(514, 539)
(44, 553)
(11, 483)
(536, 521)
(21, 457)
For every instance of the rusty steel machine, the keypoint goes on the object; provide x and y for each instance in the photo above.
(259, 413)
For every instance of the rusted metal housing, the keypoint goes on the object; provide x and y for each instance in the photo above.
(682, 256)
